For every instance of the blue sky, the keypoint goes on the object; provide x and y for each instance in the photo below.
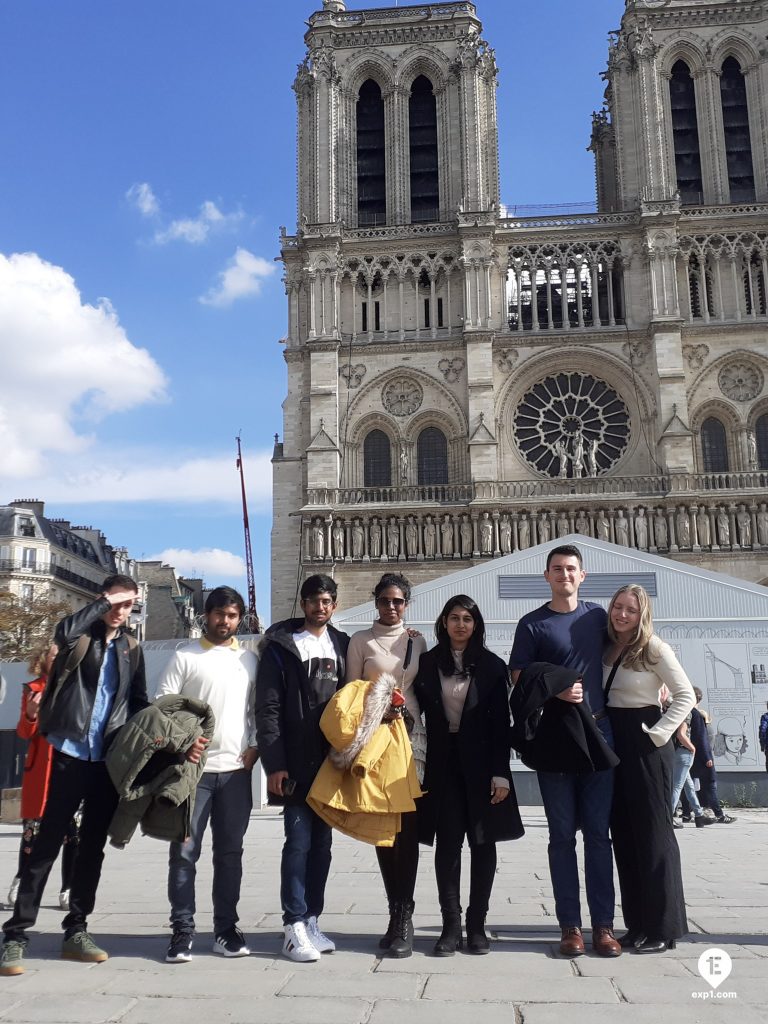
(147, 162)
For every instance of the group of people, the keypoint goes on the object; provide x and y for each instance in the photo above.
(390, 743)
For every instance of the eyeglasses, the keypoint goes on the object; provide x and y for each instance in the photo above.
(396, 602)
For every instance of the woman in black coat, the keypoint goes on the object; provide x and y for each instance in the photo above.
(462, 690)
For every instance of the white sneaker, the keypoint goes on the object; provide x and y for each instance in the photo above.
(297, 946)
(64, 899)
(13, 892)
(319, 939)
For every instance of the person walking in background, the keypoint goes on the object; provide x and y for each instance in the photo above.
(681, 773)
(462, 689)
(636, 665)
(703, 767)
(96, 684)
(217, 670)
(763, 736)
(389, 647)
(571, 634)
(37, 771)
(302, 665)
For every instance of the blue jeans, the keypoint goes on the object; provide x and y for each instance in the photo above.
(305, 863)
(225, 799)
(681, 779)
(573, 802)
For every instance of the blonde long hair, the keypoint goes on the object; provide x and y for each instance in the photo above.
(639, 652)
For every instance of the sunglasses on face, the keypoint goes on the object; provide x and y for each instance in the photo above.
(396, 602)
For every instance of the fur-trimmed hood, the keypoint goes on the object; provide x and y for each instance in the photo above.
(376, 704)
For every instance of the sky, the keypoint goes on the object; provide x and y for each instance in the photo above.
(147, 161)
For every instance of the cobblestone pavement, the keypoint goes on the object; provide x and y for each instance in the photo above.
(522, 981)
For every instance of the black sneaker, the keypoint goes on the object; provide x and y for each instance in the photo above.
(724, 819)
(179, 948)
(231, 943)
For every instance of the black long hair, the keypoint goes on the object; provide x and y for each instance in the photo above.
(476, 644)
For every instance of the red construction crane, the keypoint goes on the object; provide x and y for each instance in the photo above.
(252, 617)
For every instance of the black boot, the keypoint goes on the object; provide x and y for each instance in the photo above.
(401, 943)
(386, 938)
(450, 937)
(477, 940)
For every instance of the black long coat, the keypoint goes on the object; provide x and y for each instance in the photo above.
(484, 746)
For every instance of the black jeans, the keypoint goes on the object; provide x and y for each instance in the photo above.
(400, 863)
(453, 826)
(71, 782)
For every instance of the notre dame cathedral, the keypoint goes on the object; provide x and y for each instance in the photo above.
(462, 383)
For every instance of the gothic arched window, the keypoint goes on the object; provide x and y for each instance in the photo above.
(761, 436)
(377, 460)
(371, 169)
(422, 140)
(714, 446)
(685, 133)
(738, 143)
(432, 454)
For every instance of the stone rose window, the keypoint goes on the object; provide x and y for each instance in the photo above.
(571, 425)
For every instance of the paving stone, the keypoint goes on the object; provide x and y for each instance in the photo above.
(240, 1009)
(389, 1011)
(674, 992)
(520, 988)
(91, 1009)
(626, 1013)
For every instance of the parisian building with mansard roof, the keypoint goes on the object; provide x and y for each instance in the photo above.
(463, 383)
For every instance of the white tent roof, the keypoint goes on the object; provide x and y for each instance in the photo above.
(506, 588)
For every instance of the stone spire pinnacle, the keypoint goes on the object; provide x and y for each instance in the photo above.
(336, 6)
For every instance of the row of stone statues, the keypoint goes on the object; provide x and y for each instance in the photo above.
(493, 533)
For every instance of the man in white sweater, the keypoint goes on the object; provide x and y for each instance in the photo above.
(217, 670)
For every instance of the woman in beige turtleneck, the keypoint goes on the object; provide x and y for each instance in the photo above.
(389, 647)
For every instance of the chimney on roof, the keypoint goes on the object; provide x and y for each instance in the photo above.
(30, 504)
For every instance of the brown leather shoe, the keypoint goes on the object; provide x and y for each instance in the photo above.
(604, 942)
(571, 942)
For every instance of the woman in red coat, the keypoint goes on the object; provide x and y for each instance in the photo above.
(37, 770)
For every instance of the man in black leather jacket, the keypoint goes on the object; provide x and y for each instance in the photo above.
(94, 688)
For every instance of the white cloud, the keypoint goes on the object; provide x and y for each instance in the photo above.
(143, 198)
(144, 476)
(195, 230)
(204, 562)
(65, 362)
(242, 277)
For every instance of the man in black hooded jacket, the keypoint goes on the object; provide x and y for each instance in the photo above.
(302, 665)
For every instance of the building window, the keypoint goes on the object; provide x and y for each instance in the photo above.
(714, 446)
(371, 167)
(377, 460)
(685, 133)
(364, 318)
(432, 453)
(761, 436)
(427, 323)
(27, 592)
(29, 558)
(440, 313)
(422, 139)
(738, 143)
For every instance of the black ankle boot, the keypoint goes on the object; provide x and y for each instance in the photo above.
(477, 940)
(450, 937)
(386, 938)
(401, 943)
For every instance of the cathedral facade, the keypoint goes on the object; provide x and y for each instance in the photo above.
(463, 383)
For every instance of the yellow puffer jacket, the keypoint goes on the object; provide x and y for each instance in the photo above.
(369, 779)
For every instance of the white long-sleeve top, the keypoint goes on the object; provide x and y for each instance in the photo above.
(639, 688)
(224, 677)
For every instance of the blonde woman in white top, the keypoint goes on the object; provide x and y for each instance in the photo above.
(636, 666)
(390, 647)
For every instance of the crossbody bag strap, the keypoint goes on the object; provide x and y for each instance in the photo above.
(611, 677)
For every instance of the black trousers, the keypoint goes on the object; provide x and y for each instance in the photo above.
(400, 863)
(71, 782)
(452, 826)
(644, 844)
(30, 829)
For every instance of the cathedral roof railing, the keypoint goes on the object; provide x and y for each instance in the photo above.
(711, 487)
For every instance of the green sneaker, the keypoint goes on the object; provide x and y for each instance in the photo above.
(81, 946)
(12, 959)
